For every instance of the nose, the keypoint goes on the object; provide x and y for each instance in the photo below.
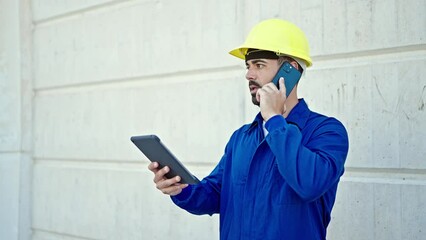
(250, 75)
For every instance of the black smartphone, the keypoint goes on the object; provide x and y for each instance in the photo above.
(155, 150)
(290, 74)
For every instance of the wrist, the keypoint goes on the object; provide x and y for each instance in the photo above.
(269, 116)
(277, 121)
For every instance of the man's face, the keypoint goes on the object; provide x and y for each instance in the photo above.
(260, 72)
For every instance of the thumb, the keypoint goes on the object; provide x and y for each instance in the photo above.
(258, 95)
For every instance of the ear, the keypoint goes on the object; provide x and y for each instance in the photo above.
(291, 61)
(295, 64)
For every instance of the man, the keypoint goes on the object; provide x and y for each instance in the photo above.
(278, 176)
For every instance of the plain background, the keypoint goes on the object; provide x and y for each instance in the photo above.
(78, 78)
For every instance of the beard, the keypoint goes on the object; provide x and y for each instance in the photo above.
(253, 96)
(254, 100)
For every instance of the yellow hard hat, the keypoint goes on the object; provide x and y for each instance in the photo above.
(279, 36)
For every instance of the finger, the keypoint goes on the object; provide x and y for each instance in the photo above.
(153, 167)
(167, 183)
(159, 175)
(270, 87)
(174, 190)
(258, 95)
(282, 85)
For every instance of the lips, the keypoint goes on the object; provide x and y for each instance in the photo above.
(253, 88)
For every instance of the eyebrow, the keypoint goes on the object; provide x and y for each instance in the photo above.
(255, 61)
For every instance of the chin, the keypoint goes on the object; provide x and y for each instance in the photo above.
(254, 101)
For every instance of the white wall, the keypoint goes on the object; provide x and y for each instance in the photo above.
(15, 120)
(92, 73)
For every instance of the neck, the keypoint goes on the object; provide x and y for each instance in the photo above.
(290, 103)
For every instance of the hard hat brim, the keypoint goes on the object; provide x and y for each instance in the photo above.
(238, 52)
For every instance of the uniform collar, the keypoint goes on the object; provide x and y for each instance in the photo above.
(299, 114)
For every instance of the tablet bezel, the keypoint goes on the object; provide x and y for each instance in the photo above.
(152, 147)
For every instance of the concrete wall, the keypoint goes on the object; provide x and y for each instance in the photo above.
(15, 120)
(81, 77)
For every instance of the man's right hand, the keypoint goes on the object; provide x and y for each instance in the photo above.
(271, 99)
(167, 186)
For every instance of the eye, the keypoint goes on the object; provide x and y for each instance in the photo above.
(259, 66)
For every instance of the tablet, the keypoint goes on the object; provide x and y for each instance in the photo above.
(156, 151)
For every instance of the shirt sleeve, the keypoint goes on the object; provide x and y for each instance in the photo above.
(312, 168)
(204, 197)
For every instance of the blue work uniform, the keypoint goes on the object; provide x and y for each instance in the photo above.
(282, 186)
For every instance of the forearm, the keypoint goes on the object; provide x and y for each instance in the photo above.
(198, 199)
(309, 168)
(204, 197)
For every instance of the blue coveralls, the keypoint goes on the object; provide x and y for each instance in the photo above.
(282, 186)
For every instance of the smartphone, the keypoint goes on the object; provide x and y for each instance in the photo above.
(155, 150)
(290, 74)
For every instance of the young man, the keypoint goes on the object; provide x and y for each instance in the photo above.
(279, 174)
